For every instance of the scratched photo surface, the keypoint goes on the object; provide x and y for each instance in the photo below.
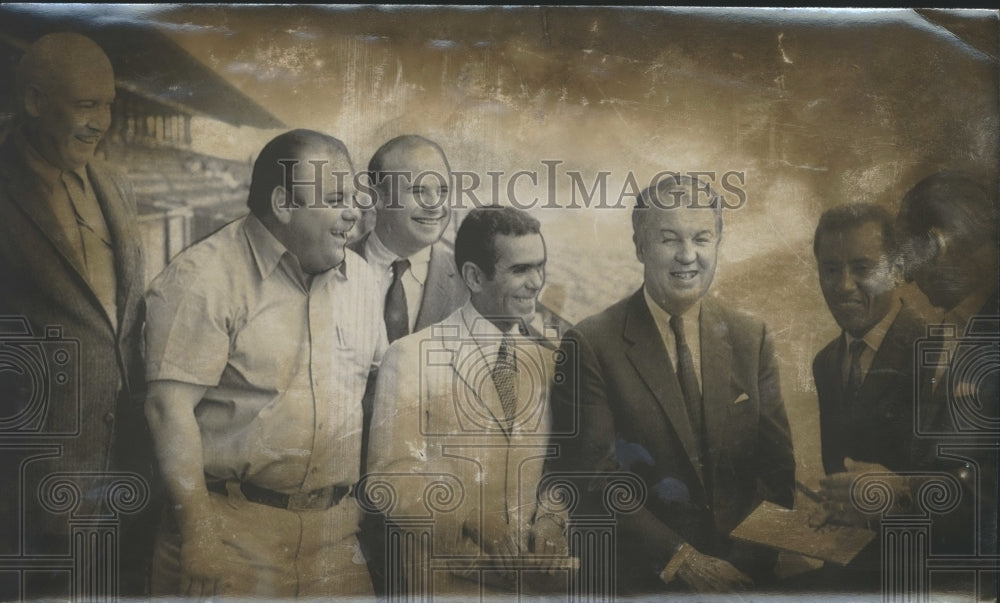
(566, 115)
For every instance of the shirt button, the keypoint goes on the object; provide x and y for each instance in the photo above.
(109, 418)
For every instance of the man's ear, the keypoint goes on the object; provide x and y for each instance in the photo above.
(473, 276)
(281, 206)
(939, 243)
(32, 101)
(638, 247)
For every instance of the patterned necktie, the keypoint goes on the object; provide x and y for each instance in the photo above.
(397, 319)
(854, 376)
(505, 378)
(688, 378)
(98, 254)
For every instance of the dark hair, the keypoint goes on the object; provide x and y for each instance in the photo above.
(269, 173)
(657, 197)
(476, 238)
(953, 202)
(846, 217)
(376, 165)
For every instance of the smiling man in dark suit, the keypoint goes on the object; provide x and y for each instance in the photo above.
(949, 222)
(683, 392)
(864, 377)
(70, 258)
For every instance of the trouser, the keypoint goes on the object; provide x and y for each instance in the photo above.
(275, 553)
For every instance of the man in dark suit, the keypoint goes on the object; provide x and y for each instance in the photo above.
(864, 377)
(72, 272)
(684, 393)
(410, 177)
(950, 225)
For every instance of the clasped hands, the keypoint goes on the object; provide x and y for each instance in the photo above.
(544, 545)
(837, 506)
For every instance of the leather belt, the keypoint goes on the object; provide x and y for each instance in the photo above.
(316, 500)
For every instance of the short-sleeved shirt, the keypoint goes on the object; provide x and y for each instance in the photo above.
(285, 360)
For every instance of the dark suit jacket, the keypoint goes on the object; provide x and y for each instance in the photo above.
(96, 414)
(622, 401)
(966, 449)
(444, 290)
(878, 427)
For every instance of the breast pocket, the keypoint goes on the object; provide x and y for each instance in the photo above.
(741, 420)
(353, 352)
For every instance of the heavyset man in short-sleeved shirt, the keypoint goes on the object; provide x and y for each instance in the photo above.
(259, 345)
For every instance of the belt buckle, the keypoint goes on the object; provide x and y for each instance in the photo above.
(316, 500)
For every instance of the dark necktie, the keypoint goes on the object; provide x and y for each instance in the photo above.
(688, 378)
(397, 319)
(505, 378)
(854, 376)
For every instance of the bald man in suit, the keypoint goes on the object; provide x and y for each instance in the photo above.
(410, 177)
(71, 267)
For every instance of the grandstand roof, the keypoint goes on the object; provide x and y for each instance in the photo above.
(146, 62)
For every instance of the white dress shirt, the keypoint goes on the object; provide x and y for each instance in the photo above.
(413, 279)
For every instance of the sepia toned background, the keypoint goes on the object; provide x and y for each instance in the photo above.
(814, 107)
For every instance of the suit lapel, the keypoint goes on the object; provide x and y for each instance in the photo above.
(532, 380)
(435, 297)
(26, 193)
(649, 357)
(716, 375)
(470, 364)
(127, 254)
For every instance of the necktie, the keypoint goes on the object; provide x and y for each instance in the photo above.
(854, 376)
(505, 379)
(98, 256)
(688, 378)
(397, 319)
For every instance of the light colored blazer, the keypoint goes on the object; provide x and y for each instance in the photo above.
(438, 420)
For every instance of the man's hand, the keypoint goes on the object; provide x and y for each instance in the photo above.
(549, 542)
(707, 574)
(203, 573)
(496, 538)
(836, 492)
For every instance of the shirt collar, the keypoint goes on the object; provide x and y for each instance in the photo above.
(875, 335)
(662, 317)
(380, 255)
(267, 250)
(480, 326)
(49, 173)
(961, 314)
